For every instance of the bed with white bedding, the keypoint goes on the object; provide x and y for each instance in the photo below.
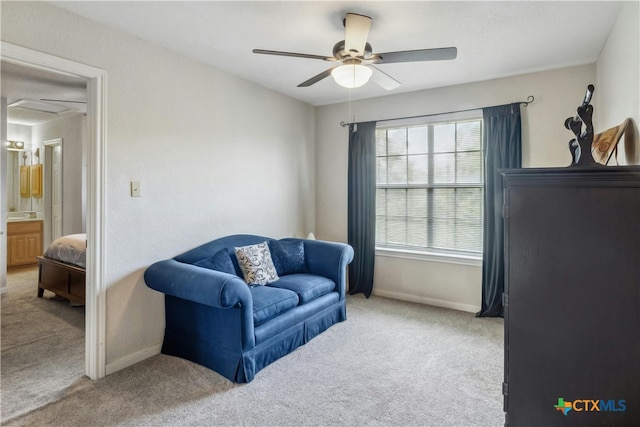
(62, 268)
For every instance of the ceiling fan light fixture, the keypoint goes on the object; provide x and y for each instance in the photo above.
(351, 75)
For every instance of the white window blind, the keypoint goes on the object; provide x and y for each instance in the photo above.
(430, 183)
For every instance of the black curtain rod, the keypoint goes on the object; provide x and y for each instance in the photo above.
(529, 100)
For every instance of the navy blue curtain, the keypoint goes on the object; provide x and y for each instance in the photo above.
(502, 137)
(361, 206)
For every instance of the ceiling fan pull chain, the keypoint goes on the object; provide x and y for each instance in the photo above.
(352, 114)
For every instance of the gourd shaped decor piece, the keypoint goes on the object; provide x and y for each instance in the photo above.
(580, 146)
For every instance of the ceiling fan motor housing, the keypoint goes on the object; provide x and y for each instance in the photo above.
(341, 54)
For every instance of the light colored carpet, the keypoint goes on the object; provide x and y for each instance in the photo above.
(391, 363)
(42, 345)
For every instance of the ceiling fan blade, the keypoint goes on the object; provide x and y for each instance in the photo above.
(383, 79)
(356, 32)
(439, 54)
(293, 54)
(317, 78)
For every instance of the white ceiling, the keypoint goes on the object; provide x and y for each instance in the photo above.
(494, 39)
(36, 96)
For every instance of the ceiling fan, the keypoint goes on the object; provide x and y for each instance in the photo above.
(357, 60)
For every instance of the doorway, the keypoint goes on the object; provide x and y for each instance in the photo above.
(95, 320)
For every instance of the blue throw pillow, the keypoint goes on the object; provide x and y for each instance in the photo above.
(220, 261)
(288, 256)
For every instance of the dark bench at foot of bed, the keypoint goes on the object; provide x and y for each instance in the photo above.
(64, 280)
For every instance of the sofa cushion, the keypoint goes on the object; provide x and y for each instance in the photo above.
(307, 286)
(288, 256)
(269, 302)
(220, 261)
(256, 264)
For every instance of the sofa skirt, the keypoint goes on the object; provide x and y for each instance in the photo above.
(241, 367)
(284, 343)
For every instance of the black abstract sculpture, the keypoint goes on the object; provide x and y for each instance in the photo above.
(580, 146)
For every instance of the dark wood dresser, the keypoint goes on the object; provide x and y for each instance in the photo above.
(572, 296)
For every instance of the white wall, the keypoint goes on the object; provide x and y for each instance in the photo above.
(214, 154)
(70, 129)
(22, 133)
(617, 93)
(545, 140)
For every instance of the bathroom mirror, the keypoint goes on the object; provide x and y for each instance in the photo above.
(25, 187)
(19, 187)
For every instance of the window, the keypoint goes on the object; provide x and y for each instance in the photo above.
(430, 183)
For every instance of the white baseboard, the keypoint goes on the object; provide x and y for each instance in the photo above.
(132, 359)
(429, 301)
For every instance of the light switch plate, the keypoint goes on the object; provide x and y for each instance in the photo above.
(135, 188)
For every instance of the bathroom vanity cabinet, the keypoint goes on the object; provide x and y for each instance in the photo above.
(24, 242)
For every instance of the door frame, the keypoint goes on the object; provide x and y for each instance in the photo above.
(49, 226)
(95, 319)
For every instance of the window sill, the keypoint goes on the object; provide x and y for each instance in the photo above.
(475, 261)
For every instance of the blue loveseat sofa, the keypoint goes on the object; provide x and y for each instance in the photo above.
(214, 318)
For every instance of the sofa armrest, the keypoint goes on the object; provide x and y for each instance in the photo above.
(197, 284)
(329, 259)
(226, 294)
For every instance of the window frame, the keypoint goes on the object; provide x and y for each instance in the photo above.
(429, 254)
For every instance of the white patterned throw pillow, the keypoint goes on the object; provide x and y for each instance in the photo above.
(256, 264)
